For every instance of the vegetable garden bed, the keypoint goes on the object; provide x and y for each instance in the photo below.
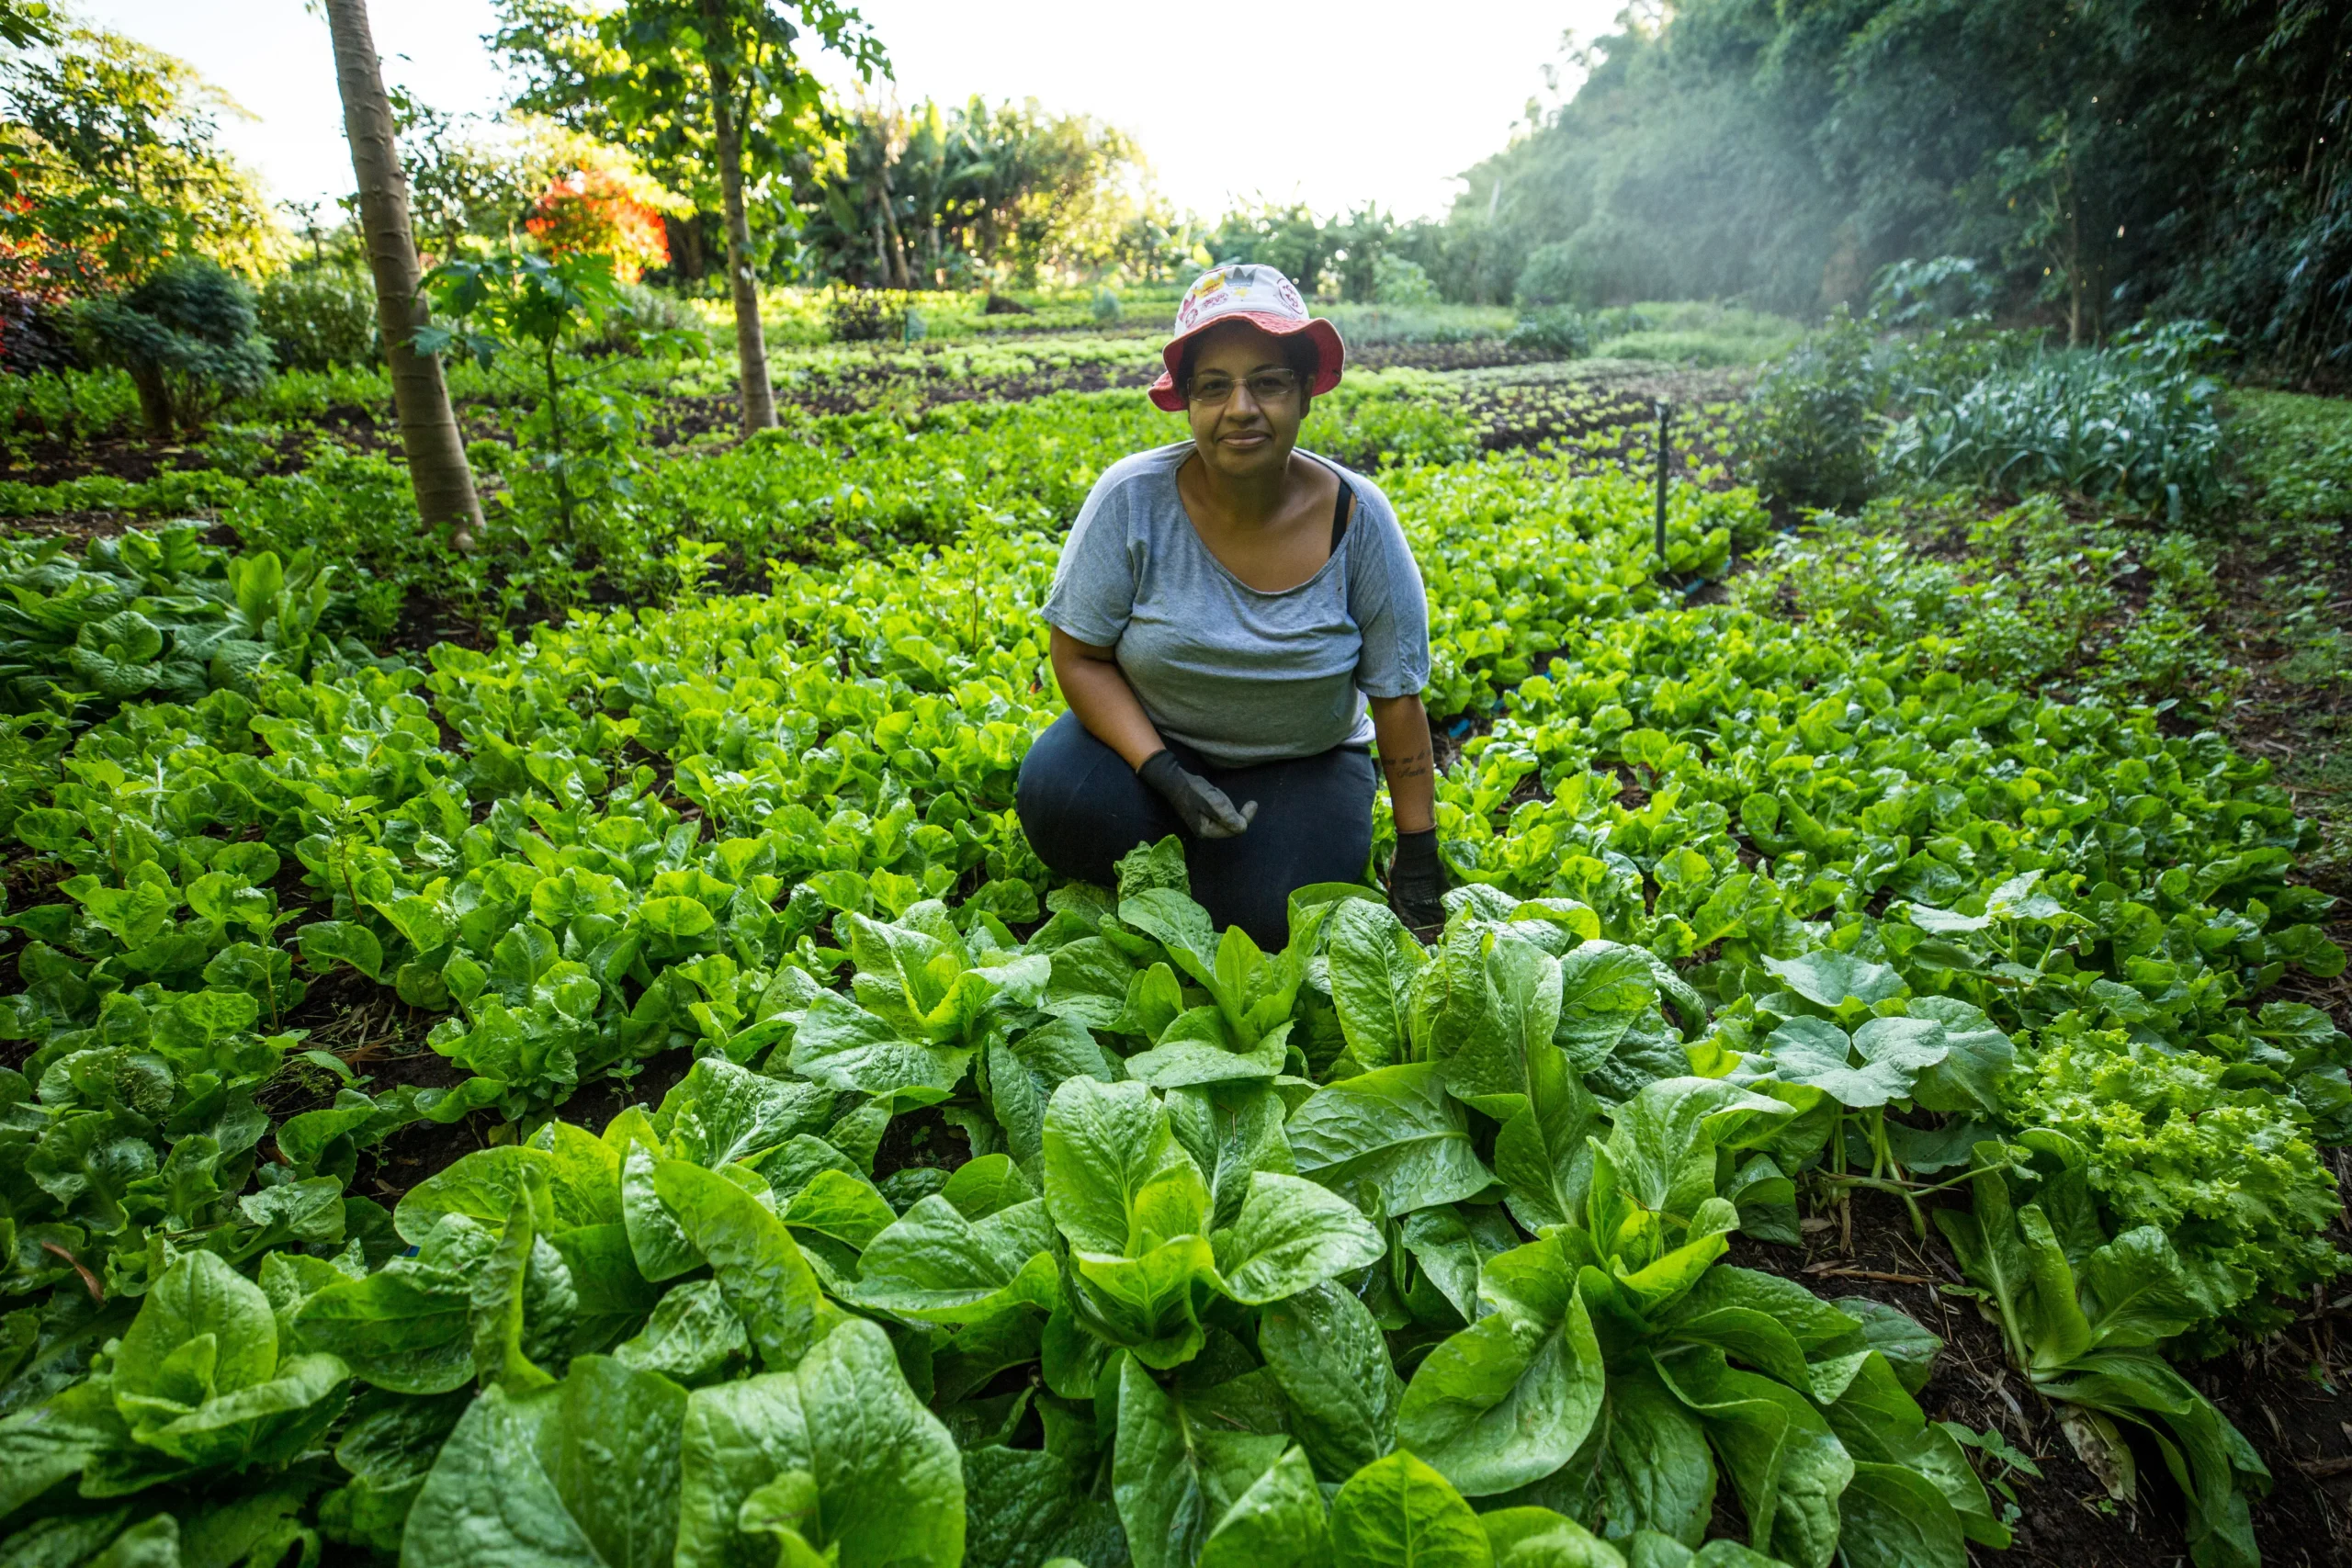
(420, 1073)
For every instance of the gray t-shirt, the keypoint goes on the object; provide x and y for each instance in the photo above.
(1239, 675)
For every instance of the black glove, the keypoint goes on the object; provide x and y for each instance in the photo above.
(1206, 811)
(1417, 882)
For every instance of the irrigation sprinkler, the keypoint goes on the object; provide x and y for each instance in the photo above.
(1665, 455)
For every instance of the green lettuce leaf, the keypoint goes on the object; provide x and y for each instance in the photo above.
(1391, 1140)
(1398, 1512)
(884, 1482)
(582, 1474)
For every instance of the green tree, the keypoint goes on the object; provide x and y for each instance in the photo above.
(111, 150)
(186, 336)
(931, 196)
(1288, 237)
(24, 23)
(461, 184)
(2102, 159)
(710, 94)
(1363, 239)
(581, 436)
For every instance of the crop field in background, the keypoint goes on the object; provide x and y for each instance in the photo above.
(1880, 1096)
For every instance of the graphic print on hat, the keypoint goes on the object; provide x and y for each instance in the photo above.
(1241, 286)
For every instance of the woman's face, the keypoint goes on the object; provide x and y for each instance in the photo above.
(1244, 403)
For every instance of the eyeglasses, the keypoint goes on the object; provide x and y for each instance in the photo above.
(1265, 387)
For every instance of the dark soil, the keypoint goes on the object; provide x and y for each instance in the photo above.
(1563, 408)
(921, 1138)
(1481, 354)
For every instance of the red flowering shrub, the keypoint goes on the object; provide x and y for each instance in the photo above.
(597, 212)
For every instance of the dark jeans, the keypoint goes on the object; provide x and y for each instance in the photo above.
(1083, 807)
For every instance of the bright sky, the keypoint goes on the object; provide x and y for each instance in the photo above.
(1328, 100)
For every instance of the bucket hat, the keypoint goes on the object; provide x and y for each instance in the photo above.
(1246, 291)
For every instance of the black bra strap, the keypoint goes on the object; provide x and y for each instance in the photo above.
(1340, 516)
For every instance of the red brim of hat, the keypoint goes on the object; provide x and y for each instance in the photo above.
(1332, 353)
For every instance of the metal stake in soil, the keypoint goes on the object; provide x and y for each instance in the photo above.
(1664, 455)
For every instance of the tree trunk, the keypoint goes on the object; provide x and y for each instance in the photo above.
(429, 434)
(751, 341)
(687, 263)
(2073, 270)
(154, 402)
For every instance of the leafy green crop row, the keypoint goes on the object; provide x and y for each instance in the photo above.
(824, 488)
(2111, 894)
(1118, 1332)
(833, 487)
(165, 615)
(849, 743)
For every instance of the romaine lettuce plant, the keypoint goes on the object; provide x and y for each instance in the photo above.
(2082, 1316)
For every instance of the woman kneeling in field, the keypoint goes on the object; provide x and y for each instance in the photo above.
(1234, 621)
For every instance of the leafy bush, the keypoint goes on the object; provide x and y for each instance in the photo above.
(1397, 280)
(1609, 260)
(1912, 293)
(1693, 332)
(187, 337)
(2137, 422)
(864, 315)
(1806, 440)
(1560, 332)
(1551, 276)
(1105, 305)
(1625, 320)
(2205, 1151)
(318, 318)
(2294, 454)
(34, 334)
(580, 442)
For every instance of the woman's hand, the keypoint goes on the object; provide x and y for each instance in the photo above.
(1206, 811)
(1099, 694)
(1417, 883)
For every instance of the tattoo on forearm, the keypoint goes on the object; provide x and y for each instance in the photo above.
(1415, 765)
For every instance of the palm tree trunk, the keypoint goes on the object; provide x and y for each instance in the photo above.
(429, 434)
(751, 341)
(895, 257)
